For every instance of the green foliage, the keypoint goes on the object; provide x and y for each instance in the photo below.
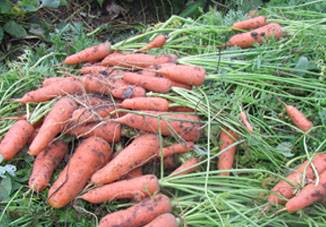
(14, 29)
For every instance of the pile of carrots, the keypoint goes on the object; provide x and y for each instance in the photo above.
(108, 94)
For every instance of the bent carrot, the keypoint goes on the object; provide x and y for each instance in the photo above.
(15, 139)
(90, 54)
(89, 115)
(186, 167)
(145, 103)
(164, 220)
(247, 39)
(298, 118)
(186, 74)
(226, 159)
(136, 188)
(251, 23)
(286, 190)
(157, 42)
(139, 214)
(177, 148)
(186, 126)
(141, 150)
(45, 163)
(53, 124)
(89, 156)
(246, 122)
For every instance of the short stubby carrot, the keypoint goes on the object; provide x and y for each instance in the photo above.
(139, 214)
(164, 220)
(15, 139)
(137, 60)
(188, 166)
(142, 149)
(45, 163)
(251, 23)
(284, 190)
(89, 156)
(136, 188)
(89, 115)
(157, 42)
(177, 148)
(146, 103)
(185, 74)
(181, 85)
(298, 118)
(246, 122)
(226, 159)
(90, 54)
(183, 125)
(248, 39)
(53, 124)
(128, 91)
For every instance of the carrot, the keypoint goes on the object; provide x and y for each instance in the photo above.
(139, 214)
(157, 42)
(164, 220)
(181, 85)
(247, 39)
(245, 121)
(225, 160)
(308, 195)
(140, 151)
(156, 84)
(137, 60)
(251, 23)
(169, 162)
(96, 84)
(148, 73)
(53, 124)
(109, 131)
(60, 88)
(89, 156)
(134, 173)
(177, 148)
(136, 188)
(95, 69)
(186, 126)
(185, 74)
(181, 109)
(128, 91)
(15, 139)
(88, 115)
(286, 190)
(45, 163)
(54, 80)
(145, 103)
(90, 54)
(298, 118)
(186, 167)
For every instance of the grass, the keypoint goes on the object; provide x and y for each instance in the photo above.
(256, 80)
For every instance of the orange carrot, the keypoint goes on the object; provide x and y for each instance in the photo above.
(156, 84)
(247, 39)
(245, 121)
(251, 23)
(181, 85)
(140, 151)
(96, 84)
(139, 214)
(186, 167)
(181, 109)
(95, 69)
(15, 139)
(186, 126)
(164, 220)
(169, 162)
(286, 190)
(136, 188)
(109, 131)
(137, 60)
(54, 80)
(128, 91)
(308, 195)
(177, 148)
(225, 160)
(148, 73)
(157, 42)
(185, 74)
(145, 103)
(90, 54)
(298, 118)
(134, 173)
(89, 156)
(53, 124)
(88, 115)
(45, 163)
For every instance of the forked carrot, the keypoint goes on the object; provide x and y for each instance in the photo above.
(251, 23)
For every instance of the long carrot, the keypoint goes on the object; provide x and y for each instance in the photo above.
(164, 220)
(141, 150)
(177, 148)
(247, 39)
(136, 188)
(251, 23)
(89, 156)
(89, 115)
(139, 214)
(185, 74)
(298, 118)
(145, 103)
(45, 163)
(53, 124)
(186, 167)
(186, 126)
(90, 54)
(246, 122)
(157, 42)
(15, 139)
(300, 175)
(226, 159)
